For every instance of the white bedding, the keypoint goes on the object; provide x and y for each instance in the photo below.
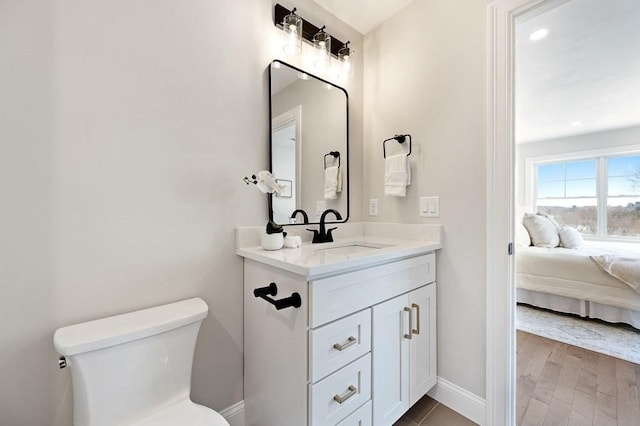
(571, 273)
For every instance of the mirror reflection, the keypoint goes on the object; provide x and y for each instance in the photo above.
(309, 146)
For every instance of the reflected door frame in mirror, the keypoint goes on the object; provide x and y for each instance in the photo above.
(288, 126)
(324, 129)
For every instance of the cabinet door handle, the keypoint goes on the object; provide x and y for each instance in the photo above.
(408, 336)
(417, 329)
(350, 342)
(351, 390)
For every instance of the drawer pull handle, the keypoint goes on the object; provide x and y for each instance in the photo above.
(351, 390)
(271, 290)
(350, 342)
(408, 336)
(417, 329)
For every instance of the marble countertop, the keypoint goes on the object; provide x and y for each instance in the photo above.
(319, 260)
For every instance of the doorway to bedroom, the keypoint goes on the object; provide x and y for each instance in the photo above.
(577, 213)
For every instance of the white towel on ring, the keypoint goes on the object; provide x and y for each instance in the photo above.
(397, 175)
(332, 182)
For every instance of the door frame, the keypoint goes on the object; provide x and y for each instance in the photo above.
(292, 115)
(500, 303)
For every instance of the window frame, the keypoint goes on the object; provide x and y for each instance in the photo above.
(601, 155)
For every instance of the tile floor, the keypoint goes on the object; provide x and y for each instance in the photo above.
(428, 411)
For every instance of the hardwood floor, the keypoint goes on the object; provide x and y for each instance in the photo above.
(560, 384)
(428, 411)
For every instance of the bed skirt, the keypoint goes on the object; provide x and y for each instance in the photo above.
(583, 308)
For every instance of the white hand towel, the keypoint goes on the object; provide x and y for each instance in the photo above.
(331, 176)
(397, 175)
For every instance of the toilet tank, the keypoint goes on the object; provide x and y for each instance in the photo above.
(126, 367)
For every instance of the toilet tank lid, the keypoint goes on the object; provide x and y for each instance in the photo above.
(119, 329)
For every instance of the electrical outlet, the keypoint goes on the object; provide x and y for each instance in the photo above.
(373, 207)
(429, 206)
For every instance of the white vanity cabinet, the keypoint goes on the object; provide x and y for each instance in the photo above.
(341, 358)
(405, 352)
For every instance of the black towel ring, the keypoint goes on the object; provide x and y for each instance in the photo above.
(334, 154)
(398, 138)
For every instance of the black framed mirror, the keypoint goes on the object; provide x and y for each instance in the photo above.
(309, 145)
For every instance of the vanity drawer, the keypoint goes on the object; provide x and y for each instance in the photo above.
(335, 345)
(351, 385)
(361, 417)
(337, 296)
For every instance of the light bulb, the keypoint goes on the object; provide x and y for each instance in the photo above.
(322, 44)
(292, 28)
(344, 56)
(539, 34)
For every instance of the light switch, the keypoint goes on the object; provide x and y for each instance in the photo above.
(430, 206)
(373, 207)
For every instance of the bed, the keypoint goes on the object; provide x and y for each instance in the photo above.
(568, 280)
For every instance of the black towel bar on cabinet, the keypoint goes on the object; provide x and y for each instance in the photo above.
(271, 290)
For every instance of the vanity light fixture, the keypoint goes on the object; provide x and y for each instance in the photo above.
(322, 46)
(292, 27)
(576, 123)
(344, 56)
(325, 44)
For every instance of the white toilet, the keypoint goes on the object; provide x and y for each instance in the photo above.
(135, 368)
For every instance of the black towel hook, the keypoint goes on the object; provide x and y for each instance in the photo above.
(334, 154)
(398, 138)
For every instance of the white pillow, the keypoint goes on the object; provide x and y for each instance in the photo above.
(553, 221)
(570, 237)
(522, 236)
(541, 230)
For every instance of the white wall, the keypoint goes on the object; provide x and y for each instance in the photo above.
(425, 75)
(125, 130)
(577, 143)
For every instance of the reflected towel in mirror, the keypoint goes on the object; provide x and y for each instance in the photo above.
(332, 182)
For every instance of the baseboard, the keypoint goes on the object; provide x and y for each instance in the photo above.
(461, 400)
(234, 414)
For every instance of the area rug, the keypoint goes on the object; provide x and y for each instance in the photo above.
(620, 341)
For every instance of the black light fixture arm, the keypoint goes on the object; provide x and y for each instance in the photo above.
(308, 29)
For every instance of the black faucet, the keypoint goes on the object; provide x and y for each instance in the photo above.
(322, 235)
(305, 218)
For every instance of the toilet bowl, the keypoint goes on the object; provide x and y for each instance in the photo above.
(184, 413)
(135, 368)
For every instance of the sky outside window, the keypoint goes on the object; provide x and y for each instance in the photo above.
(567, 179)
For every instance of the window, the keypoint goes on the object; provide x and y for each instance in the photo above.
(623, 196)
(599, 196)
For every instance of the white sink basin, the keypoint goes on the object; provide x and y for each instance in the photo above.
(351, 248)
